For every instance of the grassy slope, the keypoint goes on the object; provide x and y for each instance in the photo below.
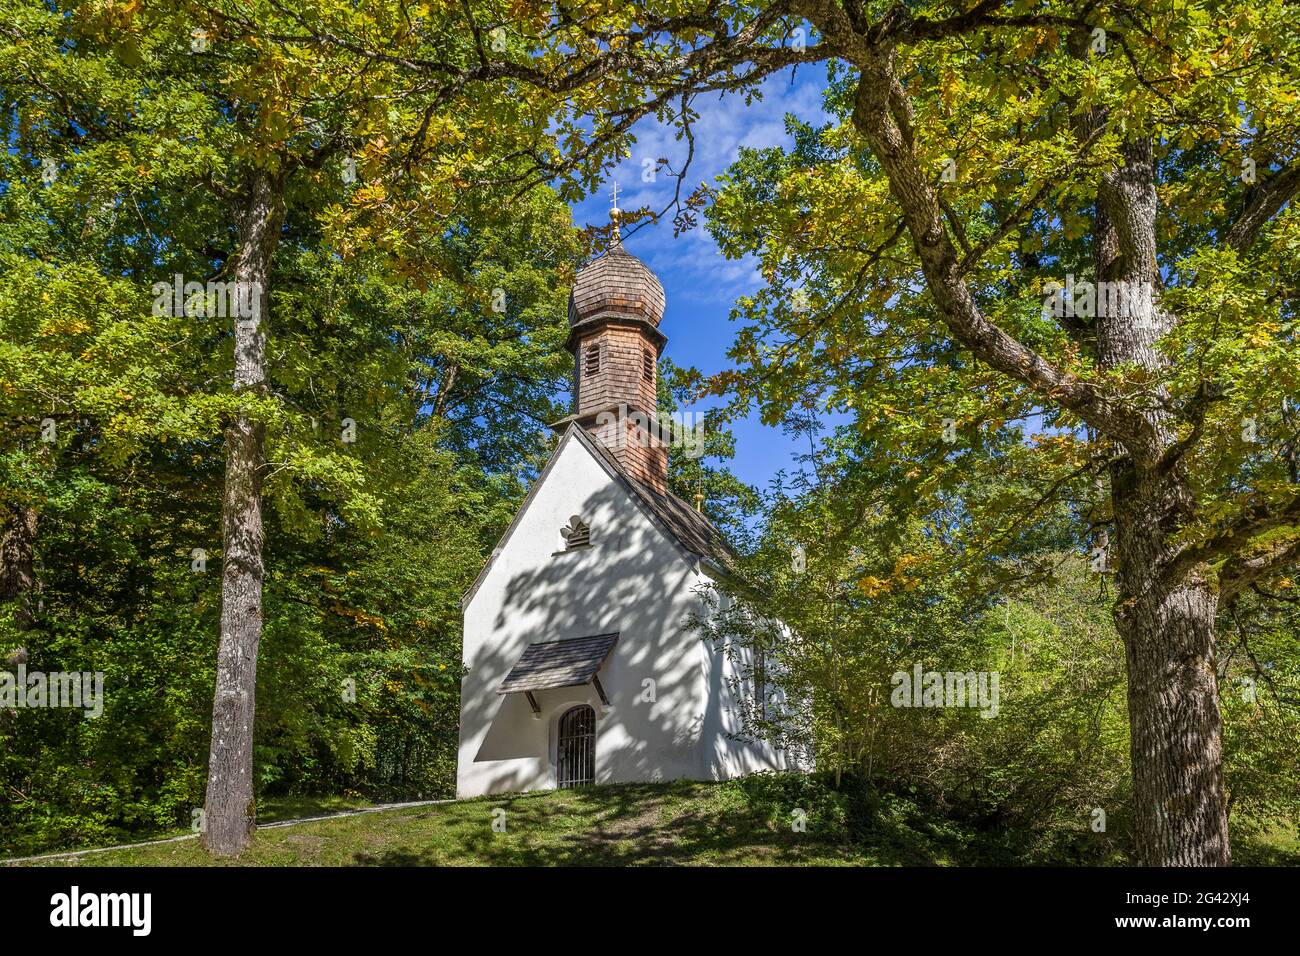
(677, 823)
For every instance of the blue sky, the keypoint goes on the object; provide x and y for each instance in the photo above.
(699, 283)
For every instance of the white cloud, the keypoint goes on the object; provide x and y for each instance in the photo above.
(725, 124)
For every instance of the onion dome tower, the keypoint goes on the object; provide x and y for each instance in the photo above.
(614, 315)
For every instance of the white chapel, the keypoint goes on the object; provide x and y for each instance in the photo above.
(580, 668)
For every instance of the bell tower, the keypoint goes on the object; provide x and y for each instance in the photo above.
(614, 315)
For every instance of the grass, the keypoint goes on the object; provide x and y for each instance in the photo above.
(682, 823)
(677, 823)
(275, 809)
(1277, 845)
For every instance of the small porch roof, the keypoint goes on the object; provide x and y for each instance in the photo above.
(552, 664)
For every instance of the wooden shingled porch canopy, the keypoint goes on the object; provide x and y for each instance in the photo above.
(553, 664)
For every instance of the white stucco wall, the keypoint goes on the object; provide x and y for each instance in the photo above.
(633, 579)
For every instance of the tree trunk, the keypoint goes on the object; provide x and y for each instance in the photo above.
(18, 577)
(1168, 626)
(18, 564)
(1175, 728)
(230, 814)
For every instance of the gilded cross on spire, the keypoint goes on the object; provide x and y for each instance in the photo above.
(616, 239)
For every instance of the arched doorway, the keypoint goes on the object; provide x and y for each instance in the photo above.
(575, 752)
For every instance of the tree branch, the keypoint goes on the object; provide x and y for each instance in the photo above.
(1245, 570)
(1263, 202)
(1235, 539)
(875, 117)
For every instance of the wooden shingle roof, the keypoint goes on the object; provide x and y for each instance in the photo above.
(558, 664)
(616, 283)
